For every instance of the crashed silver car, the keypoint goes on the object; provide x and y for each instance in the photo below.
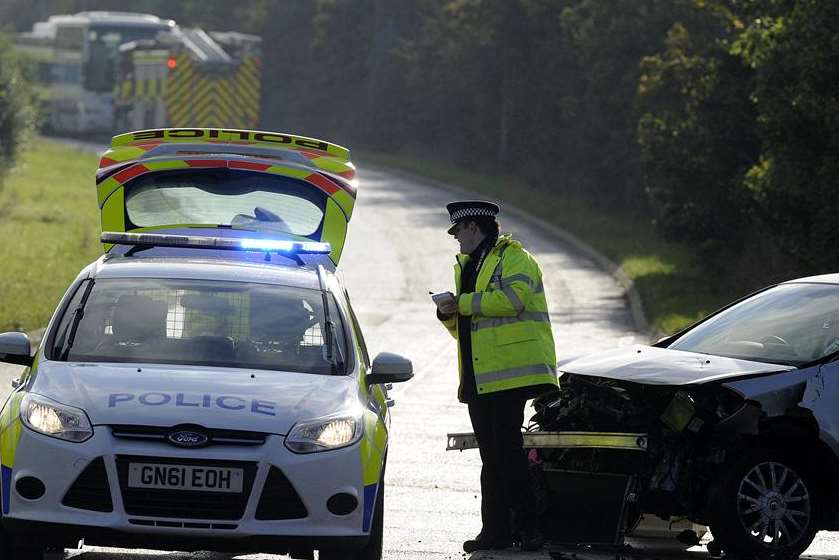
(732, 423)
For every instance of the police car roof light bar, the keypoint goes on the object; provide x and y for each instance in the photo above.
(219, 243)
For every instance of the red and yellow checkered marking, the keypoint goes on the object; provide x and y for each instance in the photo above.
(340, 192)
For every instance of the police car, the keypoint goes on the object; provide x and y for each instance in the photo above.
(205, 384)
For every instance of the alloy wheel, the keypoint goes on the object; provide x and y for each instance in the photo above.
(774, 505)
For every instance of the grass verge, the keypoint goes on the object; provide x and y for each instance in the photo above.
(49, 224)
(672, 286)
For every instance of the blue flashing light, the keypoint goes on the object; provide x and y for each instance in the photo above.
(224, 243)
(284, 246)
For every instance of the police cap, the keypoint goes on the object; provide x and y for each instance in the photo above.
(470, 209)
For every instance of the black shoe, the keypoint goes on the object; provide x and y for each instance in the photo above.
(531, 539)
(486, 542)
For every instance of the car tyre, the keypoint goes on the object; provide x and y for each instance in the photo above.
(373, 549)
(765, 507)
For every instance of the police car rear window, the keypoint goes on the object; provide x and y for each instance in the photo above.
(253, 201)
(207, 323)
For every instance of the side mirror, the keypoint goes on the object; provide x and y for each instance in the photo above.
(390, 368)
(15, 348)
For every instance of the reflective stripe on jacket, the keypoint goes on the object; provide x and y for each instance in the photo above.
(512, 341)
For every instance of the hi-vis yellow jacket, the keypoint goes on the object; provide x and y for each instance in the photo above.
(512, 342)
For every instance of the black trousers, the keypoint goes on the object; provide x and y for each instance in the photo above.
(505, 475)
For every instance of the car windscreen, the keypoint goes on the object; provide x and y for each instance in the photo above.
(229, 197)
(790, 324)
(202, 323)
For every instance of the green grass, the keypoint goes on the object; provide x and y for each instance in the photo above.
(673, 288)
(49, 224)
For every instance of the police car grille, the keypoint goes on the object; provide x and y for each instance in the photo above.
(185, 504)
(279, 500)
(182, 524)
(217, 436)
(90, 490)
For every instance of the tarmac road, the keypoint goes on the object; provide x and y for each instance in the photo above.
(397, 251)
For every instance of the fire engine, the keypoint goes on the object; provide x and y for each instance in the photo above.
(105, 71)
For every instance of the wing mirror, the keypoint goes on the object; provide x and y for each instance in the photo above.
(15, 348)
(390, 368)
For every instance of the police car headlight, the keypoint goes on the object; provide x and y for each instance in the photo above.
(325, 434)
(53, 419)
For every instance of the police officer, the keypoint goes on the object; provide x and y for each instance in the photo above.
(499, 316)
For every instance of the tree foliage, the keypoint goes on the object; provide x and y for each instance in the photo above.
(17, 111)
(716, 118)
(793, 47)
(739, 137)
(697, 135)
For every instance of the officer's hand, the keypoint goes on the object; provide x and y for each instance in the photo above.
(448, 306)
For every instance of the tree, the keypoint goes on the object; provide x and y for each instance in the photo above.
(17, 112)
(610, 39)
(697, 136)
(792, 47)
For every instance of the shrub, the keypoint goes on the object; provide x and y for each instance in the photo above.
(17, 108)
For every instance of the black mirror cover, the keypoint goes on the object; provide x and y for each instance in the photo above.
(390, 368)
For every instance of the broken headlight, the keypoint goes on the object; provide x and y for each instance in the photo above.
(680, 412)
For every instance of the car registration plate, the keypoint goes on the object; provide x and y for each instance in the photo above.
(185, 477)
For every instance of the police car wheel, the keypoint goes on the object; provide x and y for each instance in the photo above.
(373, 549)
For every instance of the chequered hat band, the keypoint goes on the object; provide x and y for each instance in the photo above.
(458, 215)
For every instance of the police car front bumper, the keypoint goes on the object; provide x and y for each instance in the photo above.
(55, 535)
(229, 523)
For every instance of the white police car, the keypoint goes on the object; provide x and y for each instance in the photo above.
(203, 386)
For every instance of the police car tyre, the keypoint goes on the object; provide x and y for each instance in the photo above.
(374, 547)
(765, 491)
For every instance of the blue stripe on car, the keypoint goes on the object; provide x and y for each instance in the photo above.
(7, 486)
(369, 501)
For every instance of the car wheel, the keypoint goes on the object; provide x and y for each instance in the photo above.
(765, 508)
(373, 549)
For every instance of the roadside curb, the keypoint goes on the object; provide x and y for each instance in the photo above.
(630, 293)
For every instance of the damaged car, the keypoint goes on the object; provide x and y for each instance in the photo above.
(731, 423)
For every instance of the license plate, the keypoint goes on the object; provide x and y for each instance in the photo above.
(185, 477)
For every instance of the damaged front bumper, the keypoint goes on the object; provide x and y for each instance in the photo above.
(561, 440)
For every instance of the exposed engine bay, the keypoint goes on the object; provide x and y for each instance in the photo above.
(676, 465)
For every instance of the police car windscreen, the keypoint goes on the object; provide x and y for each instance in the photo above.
(207, 323)
(241, 199)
